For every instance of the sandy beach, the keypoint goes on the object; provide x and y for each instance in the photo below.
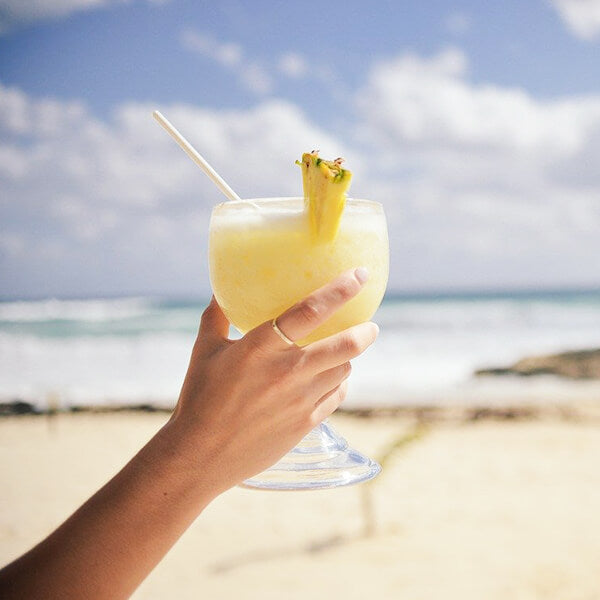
(469, 505)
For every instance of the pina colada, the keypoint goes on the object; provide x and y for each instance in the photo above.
(264, 257)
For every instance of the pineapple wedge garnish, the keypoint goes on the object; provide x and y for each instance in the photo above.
(325, 183)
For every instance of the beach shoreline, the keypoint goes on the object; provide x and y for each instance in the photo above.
(586, 408)
(62, 353)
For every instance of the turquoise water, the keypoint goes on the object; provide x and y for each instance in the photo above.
(136, 349)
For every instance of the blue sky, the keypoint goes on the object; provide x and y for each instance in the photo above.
(133, 50)
(476, 124)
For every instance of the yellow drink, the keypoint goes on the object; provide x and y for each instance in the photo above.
(263, 259)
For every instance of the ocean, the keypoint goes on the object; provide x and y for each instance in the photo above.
(65, 353)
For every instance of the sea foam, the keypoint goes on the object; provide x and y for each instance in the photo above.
(136, 350)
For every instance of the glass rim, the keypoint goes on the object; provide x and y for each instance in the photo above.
(274, 199)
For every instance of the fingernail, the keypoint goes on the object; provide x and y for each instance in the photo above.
(362, 274)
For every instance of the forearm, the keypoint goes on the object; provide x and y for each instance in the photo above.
(108, 546)
(243, 405)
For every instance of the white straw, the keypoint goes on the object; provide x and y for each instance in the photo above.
(196, 157)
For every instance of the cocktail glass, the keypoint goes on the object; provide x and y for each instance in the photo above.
(263, 259)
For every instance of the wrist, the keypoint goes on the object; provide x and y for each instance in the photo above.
(189, 458)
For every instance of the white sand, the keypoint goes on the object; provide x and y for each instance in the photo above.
(479, 510)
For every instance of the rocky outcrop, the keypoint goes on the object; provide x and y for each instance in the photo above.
(17, 407)
(581, 364)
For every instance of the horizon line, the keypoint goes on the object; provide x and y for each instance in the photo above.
(418, 293)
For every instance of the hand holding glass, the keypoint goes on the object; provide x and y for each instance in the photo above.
(263, 260)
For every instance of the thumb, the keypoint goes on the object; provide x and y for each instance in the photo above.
(214, 325)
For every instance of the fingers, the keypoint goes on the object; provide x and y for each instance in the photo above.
(329, 403)
(328, 380)
(305, 316)
(214, 325)
(341, 347)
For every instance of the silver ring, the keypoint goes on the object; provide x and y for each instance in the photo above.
(280, 333)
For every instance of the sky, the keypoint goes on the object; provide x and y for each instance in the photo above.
(476, 125)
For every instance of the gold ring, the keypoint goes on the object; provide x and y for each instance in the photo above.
(280, 333)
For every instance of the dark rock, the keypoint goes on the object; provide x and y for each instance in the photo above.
(501, 414)
(580, 364)
(17, 407)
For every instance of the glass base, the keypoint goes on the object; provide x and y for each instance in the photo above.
(322, 459)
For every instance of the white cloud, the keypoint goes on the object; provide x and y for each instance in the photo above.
(491, 184)
(483, 185)
(251, 73)
(430, 101)
(23, 11)
(256, 78)
(293, 65)
(13, 162)
(582, 17)
(457, 23)
(102, 206)
(228, 55)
